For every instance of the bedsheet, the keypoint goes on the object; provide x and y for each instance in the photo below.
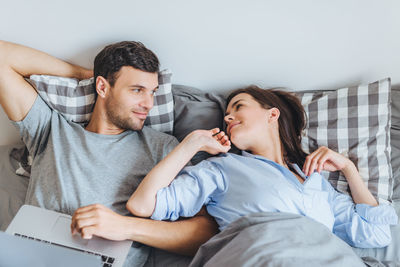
(276, 239)
(12, 188)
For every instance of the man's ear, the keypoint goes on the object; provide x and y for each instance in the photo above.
(102, 86)
(273, 115)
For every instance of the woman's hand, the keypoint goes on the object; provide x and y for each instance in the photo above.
(211, 141)
(326, 159)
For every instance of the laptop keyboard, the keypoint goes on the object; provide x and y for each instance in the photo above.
(106, 260)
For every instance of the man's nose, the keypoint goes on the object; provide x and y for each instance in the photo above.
(147, 101)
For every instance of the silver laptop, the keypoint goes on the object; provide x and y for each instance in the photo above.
(22, 252)
(53, 228)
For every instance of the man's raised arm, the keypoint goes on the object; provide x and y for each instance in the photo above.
(16, 62)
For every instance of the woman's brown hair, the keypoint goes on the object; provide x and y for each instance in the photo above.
(292, 119)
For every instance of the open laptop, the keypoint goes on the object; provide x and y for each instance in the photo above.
(53, 228)
(22, 252)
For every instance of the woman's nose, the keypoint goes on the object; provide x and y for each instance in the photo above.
(228, 118)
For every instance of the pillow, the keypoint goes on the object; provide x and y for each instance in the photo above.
(395, 144)
(356, 122)
(195, 109)
(75, 101)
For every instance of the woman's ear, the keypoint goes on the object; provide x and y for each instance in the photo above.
(273, 115)
(102, 86)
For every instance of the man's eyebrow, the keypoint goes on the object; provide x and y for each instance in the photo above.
(233, 105)
(136, 85)
(142, 87)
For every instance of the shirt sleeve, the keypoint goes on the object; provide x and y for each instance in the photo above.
(361, 225)
(35, 127)
(192, 188)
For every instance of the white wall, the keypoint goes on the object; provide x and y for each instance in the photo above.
(217, 45)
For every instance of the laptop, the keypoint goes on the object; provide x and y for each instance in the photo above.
(53, 228)
(22, 252)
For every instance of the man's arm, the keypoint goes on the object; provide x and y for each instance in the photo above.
(16, 62)
(182, 237)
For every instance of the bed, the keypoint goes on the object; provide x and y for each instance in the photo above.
(195, 109)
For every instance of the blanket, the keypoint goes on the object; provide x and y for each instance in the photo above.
(276, 239)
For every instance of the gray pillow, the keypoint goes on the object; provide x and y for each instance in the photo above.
(195, 109)
(395, 143)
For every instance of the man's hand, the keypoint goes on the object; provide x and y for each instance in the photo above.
(99, 221)
(83, 73)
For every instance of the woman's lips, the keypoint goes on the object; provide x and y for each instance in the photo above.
(232, 125)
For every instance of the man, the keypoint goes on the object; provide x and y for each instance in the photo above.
(105, 161)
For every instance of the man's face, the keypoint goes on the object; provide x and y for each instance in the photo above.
(131, 98)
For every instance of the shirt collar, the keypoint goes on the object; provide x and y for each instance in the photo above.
(294, 165)
(248, 154)
(299, 171)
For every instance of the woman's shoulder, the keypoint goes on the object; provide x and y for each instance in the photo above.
(222, 161)
(223, 157)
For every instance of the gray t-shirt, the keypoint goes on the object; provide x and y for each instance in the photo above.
(73, 167)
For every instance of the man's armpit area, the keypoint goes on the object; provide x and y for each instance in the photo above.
(203, 212)
(206, 218)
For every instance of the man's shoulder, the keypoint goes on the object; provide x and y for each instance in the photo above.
(39, 115)
(42, 105)
(158, 139)
(150, 132)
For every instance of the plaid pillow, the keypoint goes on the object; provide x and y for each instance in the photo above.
(75, 101)
(353, 121)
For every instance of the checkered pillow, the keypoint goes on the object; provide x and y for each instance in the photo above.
(75, 99)
(354, 121)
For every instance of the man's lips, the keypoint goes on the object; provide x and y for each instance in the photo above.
(140, 115)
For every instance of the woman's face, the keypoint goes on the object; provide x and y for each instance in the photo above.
(247, 121)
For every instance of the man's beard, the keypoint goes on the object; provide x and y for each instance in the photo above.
(122, 122)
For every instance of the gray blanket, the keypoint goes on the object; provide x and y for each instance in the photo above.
(276, 239)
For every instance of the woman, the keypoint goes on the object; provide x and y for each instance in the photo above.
(266, 126)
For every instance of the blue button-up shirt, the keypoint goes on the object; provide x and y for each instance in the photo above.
(233, 185)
